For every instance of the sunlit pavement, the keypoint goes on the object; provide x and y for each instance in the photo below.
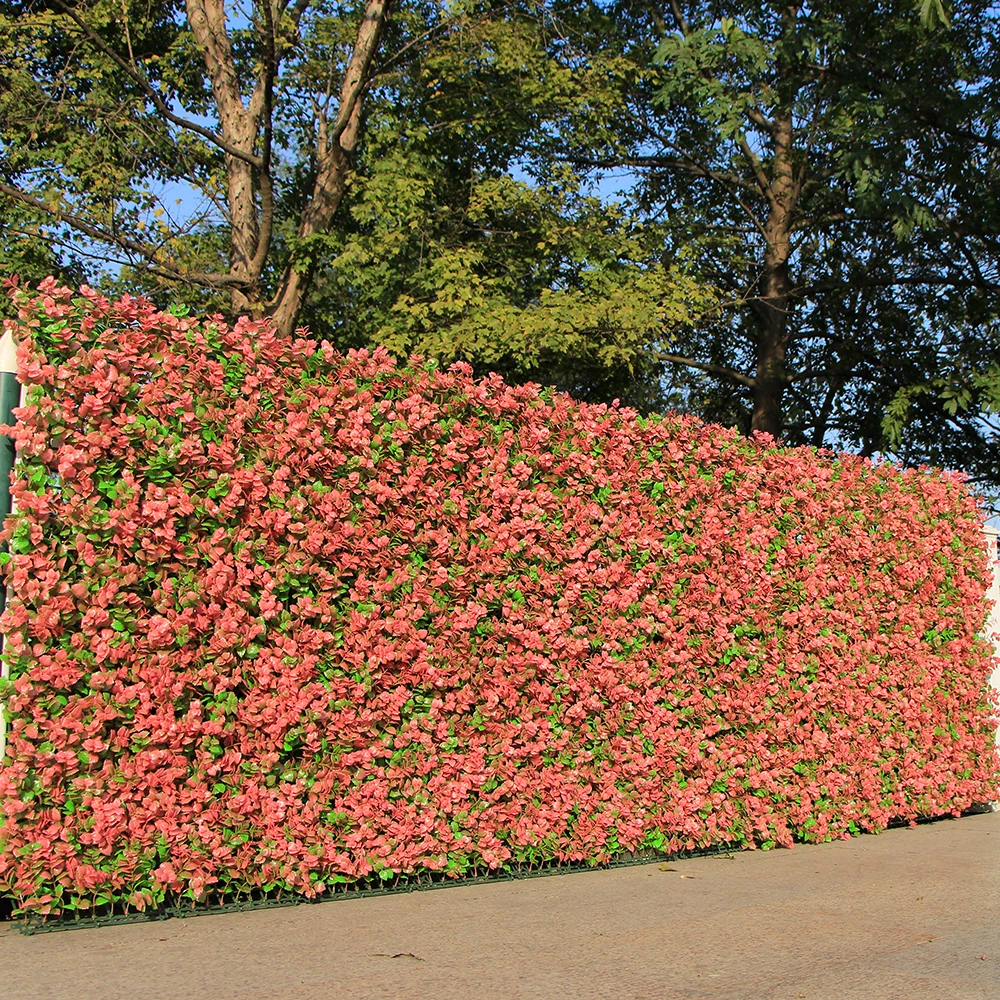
(912, 914)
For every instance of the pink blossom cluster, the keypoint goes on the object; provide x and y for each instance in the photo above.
(285, 619)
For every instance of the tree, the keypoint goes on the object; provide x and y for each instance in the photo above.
(806, 243)
(836, 163)
(103, 102)
(408, 231)
(445, 253)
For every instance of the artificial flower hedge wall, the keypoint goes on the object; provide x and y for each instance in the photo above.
(284, 619)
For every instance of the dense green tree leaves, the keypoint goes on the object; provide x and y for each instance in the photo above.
(836, 163)
(110, 110)
(805, 240)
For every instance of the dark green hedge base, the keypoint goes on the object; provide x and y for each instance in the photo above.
(112, 915)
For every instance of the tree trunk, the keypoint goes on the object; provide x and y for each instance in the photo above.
(239, 127)
(249, 197)
(328, 193)
(243, 236)
(335, 146)
(772, 345)
(772, 305)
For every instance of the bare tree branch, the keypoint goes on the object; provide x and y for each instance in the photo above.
(265, 86)
(763, 184)
(684, 164)
(679, 19)
(161, 106)
(358, 70)
(147, 252)
(758, 118)
(335, 146)
(712, 369)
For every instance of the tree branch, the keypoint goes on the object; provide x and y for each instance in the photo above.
(679, 19)
(711, 369)
(763, 184)
(758, 118)
(811, 373)
(333, 160)
(683, 164)
(358, 70)
(158, 102)
(269, 73)
(933, 280)
(146, 251)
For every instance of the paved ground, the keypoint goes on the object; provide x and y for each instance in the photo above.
(912, 914)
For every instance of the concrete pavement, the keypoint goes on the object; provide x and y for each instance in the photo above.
(912, 914)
